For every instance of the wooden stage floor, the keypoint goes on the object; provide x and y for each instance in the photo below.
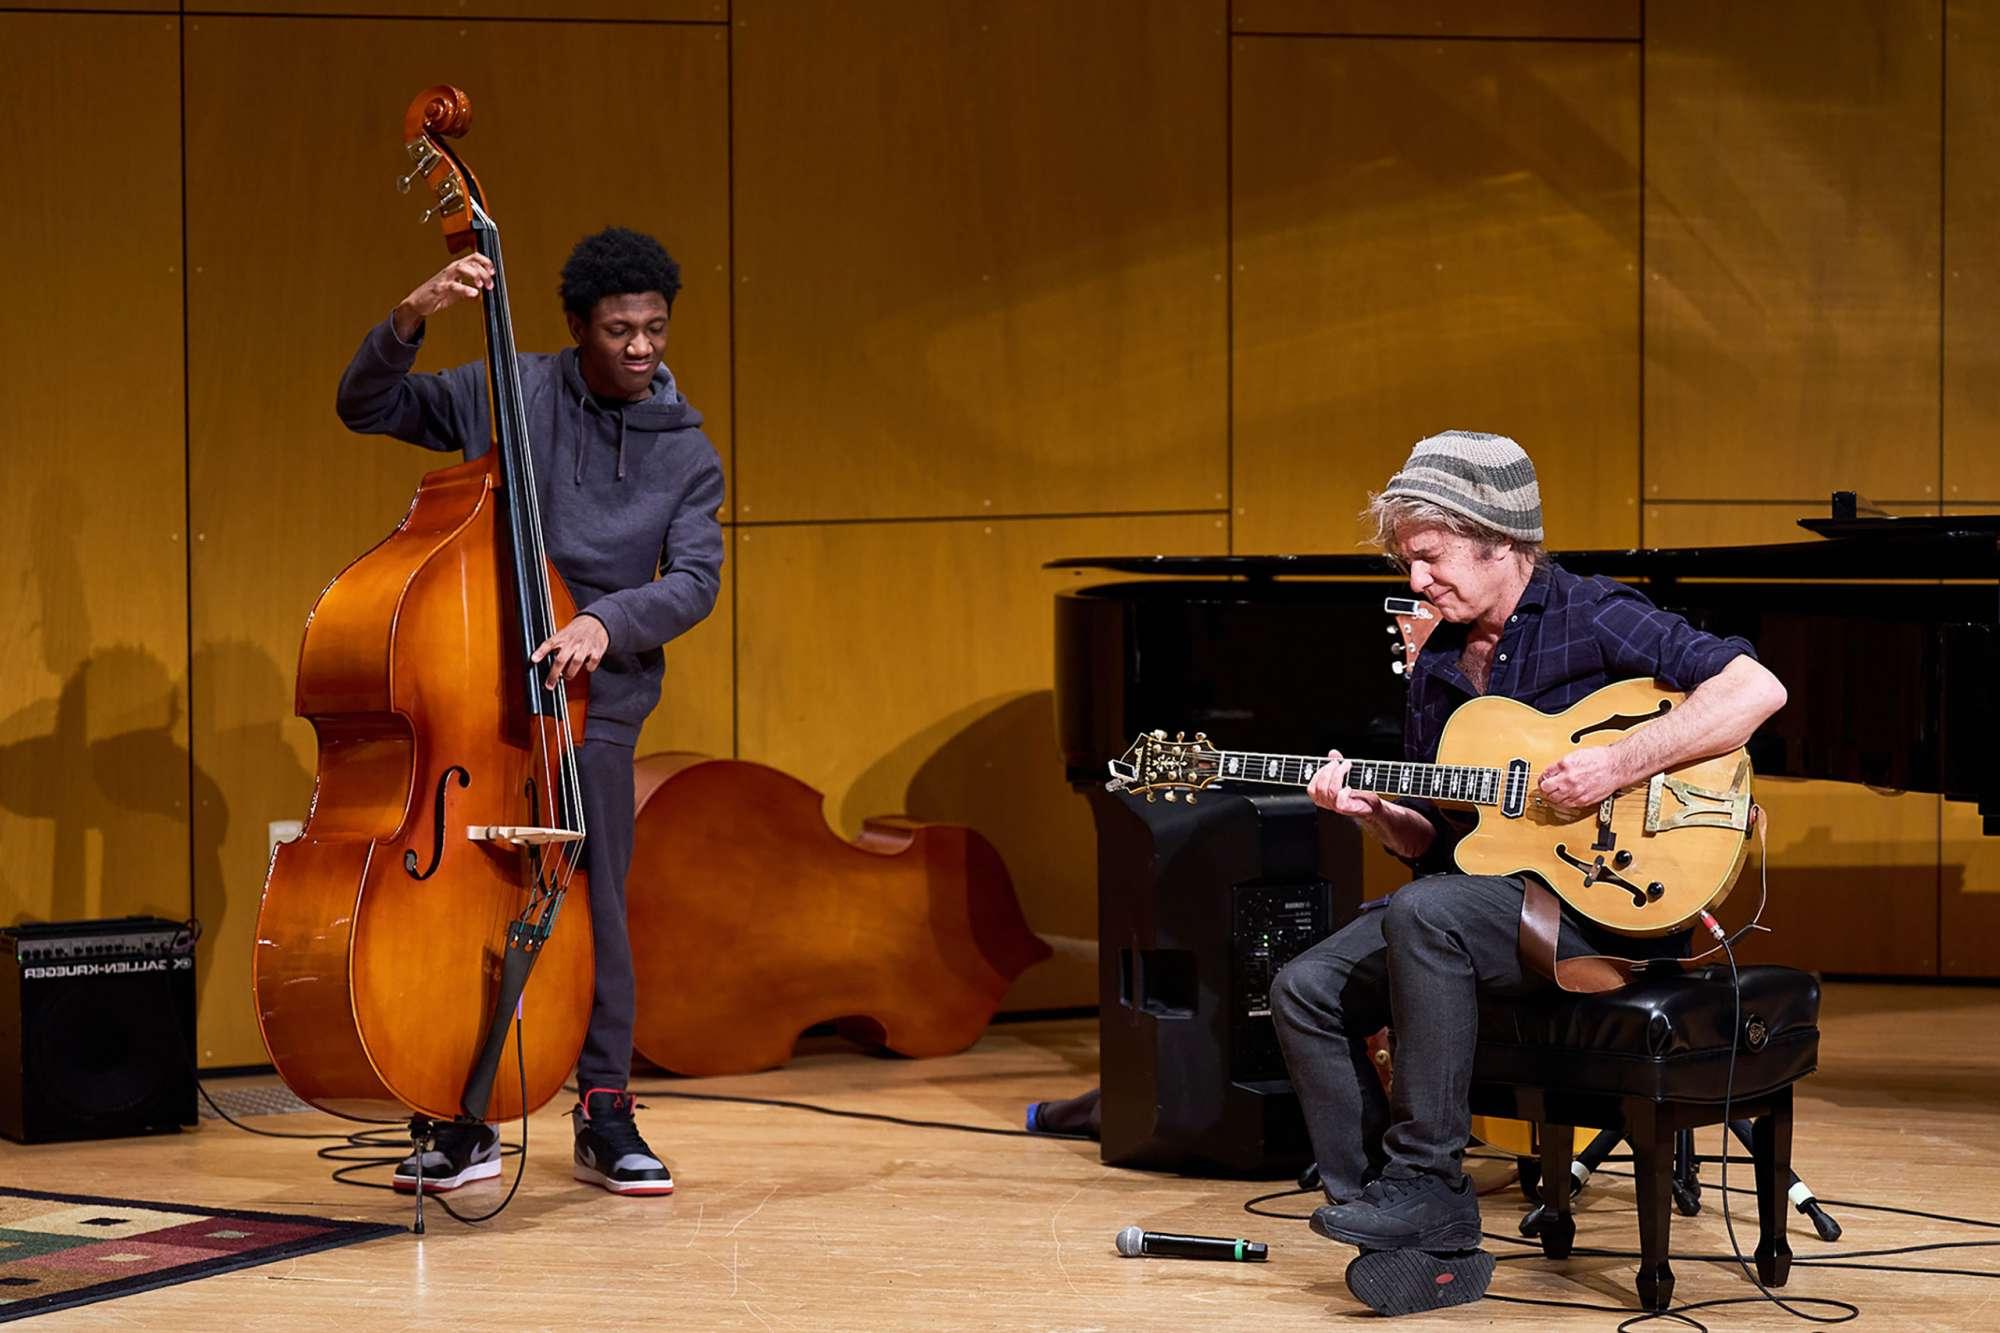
(785, 1219)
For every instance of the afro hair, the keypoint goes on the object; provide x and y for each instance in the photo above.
(613, 262)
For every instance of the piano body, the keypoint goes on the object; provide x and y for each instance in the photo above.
(1886, 633)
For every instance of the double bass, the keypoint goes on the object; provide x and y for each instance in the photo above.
(411, 954)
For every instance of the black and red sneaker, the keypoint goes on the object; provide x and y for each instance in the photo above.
(609, 1151)
(460, 1154)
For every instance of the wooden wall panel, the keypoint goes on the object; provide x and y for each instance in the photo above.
(906, 667)
(1376, 186)
(1744, 524)
(697, 708)
(679, 11)
(298, 242)
(1971, 253)
(1440, 18)
(94, 774)
(1968, 894)
(1854, 880)
(980, 253)
(57, 48)
(1792, 197)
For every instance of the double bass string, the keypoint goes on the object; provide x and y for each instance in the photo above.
(506, 380)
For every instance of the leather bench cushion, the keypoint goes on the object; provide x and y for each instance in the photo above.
(1665, 1037)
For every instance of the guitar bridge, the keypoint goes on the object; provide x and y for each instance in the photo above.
(1698, 807)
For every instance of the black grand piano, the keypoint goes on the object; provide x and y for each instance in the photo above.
(1886, 632)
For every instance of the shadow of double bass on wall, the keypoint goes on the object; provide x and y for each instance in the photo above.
(104, 809)
(94, 779)
(995, 766)
(102, 769)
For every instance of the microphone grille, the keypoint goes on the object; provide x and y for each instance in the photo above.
(1129, 1241)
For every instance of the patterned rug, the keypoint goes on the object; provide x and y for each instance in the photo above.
(60, 1250)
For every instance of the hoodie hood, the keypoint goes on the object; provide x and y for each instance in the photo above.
(664, 411)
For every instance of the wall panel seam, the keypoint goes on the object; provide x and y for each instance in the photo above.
(187, 497)
(1438, 37)
(746, 525)
(466, 20)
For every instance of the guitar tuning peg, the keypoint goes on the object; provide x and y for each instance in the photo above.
(1158, 735)
(1190, 798)
(1397, 667)
(1201, 736)
(1171, 797)
(1180, 736)
(1149, 798)
(1390, 628)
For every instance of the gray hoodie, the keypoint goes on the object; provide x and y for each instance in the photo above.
(629, 492)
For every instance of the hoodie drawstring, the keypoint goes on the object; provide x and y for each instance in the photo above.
(578, 478)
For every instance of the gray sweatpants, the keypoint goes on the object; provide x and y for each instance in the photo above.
(1418, 963)
(605, 768)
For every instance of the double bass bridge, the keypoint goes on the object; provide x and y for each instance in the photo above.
(520, 835)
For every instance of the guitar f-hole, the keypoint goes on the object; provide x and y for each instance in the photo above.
(1596, 872)
(1622, 722)
(437, 832)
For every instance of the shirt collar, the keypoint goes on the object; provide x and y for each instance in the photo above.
(1536, 594)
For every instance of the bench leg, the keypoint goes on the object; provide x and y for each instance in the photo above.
(1771, 1151)
(1653, 1169)
(1558, 1227)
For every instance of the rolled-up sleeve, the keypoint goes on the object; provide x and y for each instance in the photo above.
(1639, 639)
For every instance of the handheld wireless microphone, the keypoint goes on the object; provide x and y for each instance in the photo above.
(1133, 1243)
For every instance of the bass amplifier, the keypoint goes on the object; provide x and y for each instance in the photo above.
(96, 1029)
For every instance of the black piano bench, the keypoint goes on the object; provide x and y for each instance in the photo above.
(1649, 1060)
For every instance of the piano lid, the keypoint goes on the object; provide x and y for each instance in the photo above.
(1919, 547)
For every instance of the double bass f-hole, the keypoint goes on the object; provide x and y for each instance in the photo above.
(437, 831)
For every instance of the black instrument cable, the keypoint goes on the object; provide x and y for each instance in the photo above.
(371, 1142)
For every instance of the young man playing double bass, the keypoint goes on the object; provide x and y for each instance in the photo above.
(629, 493)
(1464, 517)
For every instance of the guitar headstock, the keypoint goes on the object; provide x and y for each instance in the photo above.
(1155, 764)
(1414, 620)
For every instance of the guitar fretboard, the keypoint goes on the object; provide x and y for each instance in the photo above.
(1443, 782)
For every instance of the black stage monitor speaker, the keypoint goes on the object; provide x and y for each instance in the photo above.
(96, 1029)
(1198, 908)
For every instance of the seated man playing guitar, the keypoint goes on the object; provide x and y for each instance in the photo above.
(1464, 517)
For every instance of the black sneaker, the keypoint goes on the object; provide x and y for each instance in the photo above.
(461, 1154)
(1406, 1213)
(609, 1151)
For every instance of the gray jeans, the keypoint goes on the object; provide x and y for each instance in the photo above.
(1417, 963)
(605, 769)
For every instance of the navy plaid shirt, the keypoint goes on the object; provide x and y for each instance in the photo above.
(1567, 636)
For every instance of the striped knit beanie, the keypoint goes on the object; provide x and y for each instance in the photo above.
(1486, 478)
